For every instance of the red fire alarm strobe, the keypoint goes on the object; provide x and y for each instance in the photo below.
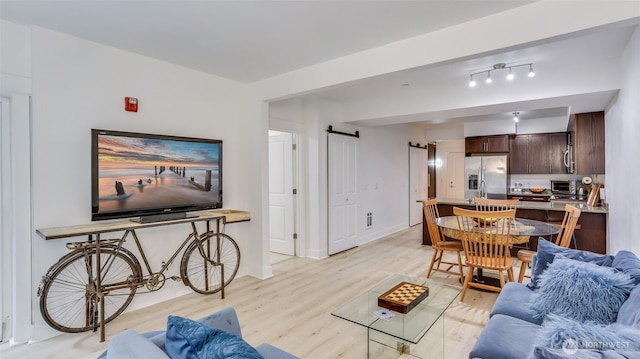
(131, 104)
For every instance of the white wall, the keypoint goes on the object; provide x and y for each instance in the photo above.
(79, 85)
(542, 125)
(384, 179)
(622, 131)
(15, 89)
(15, 58)
(445, 132)
(382, 169)
(489, 128)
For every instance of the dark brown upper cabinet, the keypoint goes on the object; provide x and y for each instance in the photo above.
(537, 153)
(487, 144)
(557, 148)
(588, 143)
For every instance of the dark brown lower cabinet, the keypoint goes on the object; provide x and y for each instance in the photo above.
(591, 236)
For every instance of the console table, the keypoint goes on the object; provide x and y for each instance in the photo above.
(230, 216)
(129, 226)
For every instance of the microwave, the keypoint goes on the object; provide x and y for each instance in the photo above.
(563, 187)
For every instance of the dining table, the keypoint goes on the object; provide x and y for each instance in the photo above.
(520, 231)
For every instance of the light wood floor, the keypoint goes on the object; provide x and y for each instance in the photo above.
(292, 310)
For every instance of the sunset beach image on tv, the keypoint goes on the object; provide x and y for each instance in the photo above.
(141, 174)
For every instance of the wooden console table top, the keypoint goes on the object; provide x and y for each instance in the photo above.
(230, 215)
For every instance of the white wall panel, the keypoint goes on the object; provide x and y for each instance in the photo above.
(79, 85)
(622, 129)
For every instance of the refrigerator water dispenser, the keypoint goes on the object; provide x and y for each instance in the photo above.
(473, 182)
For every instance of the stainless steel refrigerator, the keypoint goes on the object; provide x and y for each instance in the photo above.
(485, 176)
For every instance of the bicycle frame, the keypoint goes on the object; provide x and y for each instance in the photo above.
(192, 236)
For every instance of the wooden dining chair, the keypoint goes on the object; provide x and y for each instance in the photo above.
(563, 238)
(487, 204)
(439, 244)
(486, 244)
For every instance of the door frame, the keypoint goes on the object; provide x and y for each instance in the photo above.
(17, 215)
(5, 222)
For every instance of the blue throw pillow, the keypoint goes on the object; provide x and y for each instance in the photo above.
(548, 250)
(562, 333)
(581, 291)
(188, 339)
(132, 345)
(627, 262)
(629, 314)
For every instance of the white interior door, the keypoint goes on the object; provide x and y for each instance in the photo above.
(281, 216)
(418, 182)
(343, 195)
(455, 175)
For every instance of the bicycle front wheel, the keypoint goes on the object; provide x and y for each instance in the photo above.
(69, 299)
(202, 265)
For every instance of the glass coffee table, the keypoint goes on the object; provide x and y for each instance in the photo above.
(401, 334)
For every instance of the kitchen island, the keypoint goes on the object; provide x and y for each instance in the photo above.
(591, 235)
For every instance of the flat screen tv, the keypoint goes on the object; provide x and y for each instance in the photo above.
(153, 177)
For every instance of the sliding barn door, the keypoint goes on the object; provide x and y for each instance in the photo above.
(343, 193)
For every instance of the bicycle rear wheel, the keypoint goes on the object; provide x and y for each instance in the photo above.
(68, 294)
(202, 269)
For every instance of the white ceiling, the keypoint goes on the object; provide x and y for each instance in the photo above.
(550, 58)
(249, 41)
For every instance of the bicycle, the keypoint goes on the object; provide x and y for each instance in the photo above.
(73, 300)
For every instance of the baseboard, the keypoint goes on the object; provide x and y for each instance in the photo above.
(374, 236)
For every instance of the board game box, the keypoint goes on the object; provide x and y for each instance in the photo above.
(403, 297)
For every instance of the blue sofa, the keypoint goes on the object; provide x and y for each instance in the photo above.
(561, 314)
(185, 338)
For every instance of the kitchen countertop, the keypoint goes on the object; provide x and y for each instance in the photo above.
(550, 206)
(525, 192)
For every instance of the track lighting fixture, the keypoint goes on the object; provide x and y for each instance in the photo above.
(500, 66)
(515, 116)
